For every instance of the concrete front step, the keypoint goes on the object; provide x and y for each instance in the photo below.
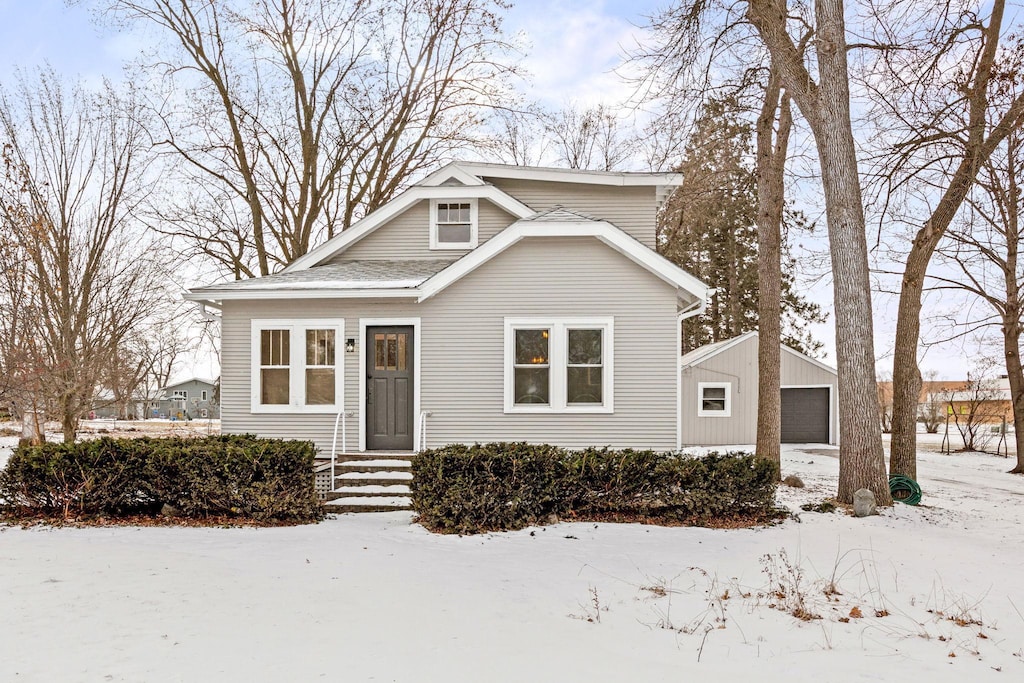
(370, 490)
(374, 465)
(369, 504)
(374, 455)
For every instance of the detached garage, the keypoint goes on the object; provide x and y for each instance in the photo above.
(718, 395)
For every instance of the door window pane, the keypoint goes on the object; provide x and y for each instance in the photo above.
(402, 352)
(379, 355)
(392, 351)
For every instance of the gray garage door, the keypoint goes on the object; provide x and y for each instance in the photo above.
(805, 415)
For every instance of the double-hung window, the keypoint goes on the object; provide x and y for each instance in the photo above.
(453, 224)
(558, 365)
(296, 366)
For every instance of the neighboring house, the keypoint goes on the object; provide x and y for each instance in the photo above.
(191, 399)
(719, 396)
(485, 303)
(986, 400)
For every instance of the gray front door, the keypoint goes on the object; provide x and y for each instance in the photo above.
(805, 415)
(389, 388)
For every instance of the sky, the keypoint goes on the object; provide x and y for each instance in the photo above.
(573, 50)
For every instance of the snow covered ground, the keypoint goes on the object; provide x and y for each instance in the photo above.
(374, 597)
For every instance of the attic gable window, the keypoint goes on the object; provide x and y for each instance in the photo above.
(453, 224)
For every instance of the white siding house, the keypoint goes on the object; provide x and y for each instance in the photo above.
(485, 303)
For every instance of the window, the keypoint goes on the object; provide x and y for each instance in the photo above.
(179, 393)
(203, 395)
(296, 366)
(714, 399)
(453, 224)
(558, 365)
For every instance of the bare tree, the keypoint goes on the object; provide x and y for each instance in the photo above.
(824, 101)
(948, 126)
(984, 251)
(292, 118)
(975, 406)
(593, 138)
(89, 277)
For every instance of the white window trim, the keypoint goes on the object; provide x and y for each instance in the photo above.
(701, 386)
(558, 363)
(474, 225)
(202, 395)
(297, 364)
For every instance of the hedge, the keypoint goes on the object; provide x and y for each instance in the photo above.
(500, 486)
(242, 476)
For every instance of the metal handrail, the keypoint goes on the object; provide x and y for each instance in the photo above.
(422, 445)
(342, 415)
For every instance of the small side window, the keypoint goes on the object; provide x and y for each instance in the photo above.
(714, 399)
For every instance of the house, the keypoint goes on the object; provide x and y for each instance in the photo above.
(719, 395)
(487, 302)
(982, 400)
(190, 399)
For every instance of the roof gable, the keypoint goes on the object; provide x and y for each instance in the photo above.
(704, 353)
(603, 231)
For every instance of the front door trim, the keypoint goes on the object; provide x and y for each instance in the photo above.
(417, 345)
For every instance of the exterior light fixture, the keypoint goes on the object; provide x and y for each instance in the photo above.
(350, 345)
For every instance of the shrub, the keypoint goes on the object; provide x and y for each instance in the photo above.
(469, 489)
(229, 475)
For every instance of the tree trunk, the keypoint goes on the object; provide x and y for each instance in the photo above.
(771, 165)
(826, 107)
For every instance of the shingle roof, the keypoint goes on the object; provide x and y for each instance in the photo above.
(560, 214)
(384, 274)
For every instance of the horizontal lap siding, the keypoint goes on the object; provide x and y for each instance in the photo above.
(737, 365)
(633, 209)
(462, 350)
(407, 235)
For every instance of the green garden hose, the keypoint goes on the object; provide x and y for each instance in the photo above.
(904, 489)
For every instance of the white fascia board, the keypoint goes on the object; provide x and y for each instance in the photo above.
(606, 232)
(812, 361)
(448, 172)
(571, 176)
(400, 204)
(213, 297)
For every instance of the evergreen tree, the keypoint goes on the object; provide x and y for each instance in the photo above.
(707, 226)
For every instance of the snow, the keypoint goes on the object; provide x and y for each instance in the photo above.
(377, 597)
(376, 463)
(372, 501)
(403, 476)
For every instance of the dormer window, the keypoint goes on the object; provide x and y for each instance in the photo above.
(453, 224)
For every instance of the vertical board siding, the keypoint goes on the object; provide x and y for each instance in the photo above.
(633, 209)
(407, 235)
(738, 365)
(462, 350)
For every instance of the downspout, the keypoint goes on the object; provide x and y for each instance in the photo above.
(696, 308)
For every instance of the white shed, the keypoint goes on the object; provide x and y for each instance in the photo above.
(718, 396)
